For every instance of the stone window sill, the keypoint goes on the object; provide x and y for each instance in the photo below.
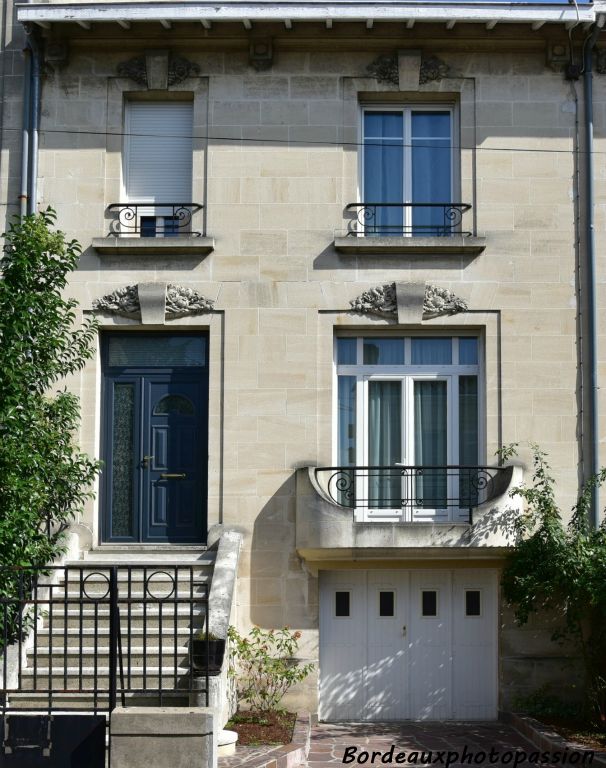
(455, 245)
(154, 246)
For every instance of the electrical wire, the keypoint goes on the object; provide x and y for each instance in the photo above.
(298, 142)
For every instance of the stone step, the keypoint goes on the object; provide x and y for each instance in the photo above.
(132, 656)
(87, 638)
(84, 702)
(138, 618)
(72, 679)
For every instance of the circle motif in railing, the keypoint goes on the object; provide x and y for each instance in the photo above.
(481, 480)
(149, 583)
(104, 580)
(453, 215)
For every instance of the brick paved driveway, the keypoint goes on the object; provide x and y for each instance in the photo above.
(329, 743)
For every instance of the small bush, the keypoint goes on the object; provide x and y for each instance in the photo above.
(263, 666)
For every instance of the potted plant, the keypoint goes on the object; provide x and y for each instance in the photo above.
(207, 647)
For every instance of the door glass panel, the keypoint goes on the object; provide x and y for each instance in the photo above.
(431, 351)
(431, 175)
(468, 440)
(384, 443)
(174, 404)
(383, 172)
(134, 350)
(123, 460)
(430, 440)
(383, 351)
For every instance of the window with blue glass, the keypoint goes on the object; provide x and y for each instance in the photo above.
(408, 172)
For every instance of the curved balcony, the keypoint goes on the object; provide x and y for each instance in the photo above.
(404, 512)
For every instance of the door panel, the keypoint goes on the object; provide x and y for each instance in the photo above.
(386, 684)
(474, 644)
(343, 648)
(429, 643)
(173, 481)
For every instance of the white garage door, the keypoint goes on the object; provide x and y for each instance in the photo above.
(398, 645)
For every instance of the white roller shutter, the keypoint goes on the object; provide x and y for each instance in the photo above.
(158, 156)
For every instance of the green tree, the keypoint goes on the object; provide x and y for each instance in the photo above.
(44, 478)
(562, 569)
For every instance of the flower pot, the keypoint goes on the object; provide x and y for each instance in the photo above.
(213, 650)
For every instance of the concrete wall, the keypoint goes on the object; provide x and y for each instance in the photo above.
(275, 176)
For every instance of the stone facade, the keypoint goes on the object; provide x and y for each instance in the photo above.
(275, 162)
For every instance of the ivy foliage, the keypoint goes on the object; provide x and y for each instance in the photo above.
(44, 478)
(562, 569)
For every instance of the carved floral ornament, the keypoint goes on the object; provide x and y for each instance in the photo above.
(176, 70)
(383, 301)
(385, 68)
(180, 301)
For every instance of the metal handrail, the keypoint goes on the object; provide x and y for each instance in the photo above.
(369, 220)
(163, 219)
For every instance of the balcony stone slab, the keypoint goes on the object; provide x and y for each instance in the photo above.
(427, 246)
(327, 532)
(154, 246)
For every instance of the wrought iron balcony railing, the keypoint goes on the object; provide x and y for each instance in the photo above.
(153, 219)
(407, 219)
(418, 490)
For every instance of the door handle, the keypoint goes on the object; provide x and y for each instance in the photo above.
(404, 630)
(145, 461)
(169, 476)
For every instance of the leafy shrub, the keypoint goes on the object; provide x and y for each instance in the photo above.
(562, 569)
(263, 666)
(44, 478)
(541, 703)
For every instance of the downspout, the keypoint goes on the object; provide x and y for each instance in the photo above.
(592, 320)
(36, 73)
(25, 131)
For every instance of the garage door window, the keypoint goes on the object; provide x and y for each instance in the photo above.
(429, 603)
(409, 413)
(387, 604)
(473, 605)
(342, 604)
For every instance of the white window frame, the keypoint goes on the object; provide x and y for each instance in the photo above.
(408, 374)
(406, 110)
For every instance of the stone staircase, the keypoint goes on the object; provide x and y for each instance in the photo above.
(70, 648)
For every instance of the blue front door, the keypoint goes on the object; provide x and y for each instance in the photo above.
(156, 437)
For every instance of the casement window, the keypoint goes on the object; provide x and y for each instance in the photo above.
(408, 171)
(157, 167)
(408, 413)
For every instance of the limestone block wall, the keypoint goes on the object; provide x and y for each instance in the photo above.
(276, 160)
